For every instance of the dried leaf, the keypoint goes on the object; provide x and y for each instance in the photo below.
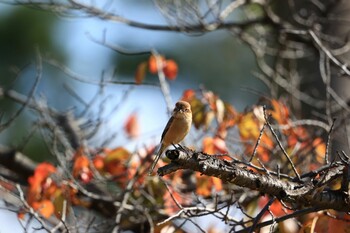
(220, 110)
(132, 126)
(141, 72)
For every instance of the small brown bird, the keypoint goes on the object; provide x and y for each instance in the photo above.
(176, 129)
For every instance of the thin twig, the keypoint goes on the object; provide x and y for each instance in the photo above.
(319, 44)
(280, 144)
(257, 142)
(31, 93)
(328, 143)
(261, 213)
(163, 83)
(31, 210)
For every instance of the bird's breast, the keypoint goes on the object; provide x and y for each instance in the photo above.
(177, 131)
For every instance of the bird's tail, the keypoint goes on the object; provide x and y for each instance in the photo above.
(159, 154)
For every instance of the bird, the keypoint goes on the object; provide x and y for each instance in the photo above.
(175, 130)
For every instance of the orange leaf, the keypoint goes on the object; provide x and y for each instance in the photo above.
(188, 95)
(217, 183)
(81, 163)
(208, 145)
(230, 114)
(132, 126)
(44, 207)
(280, 112)
(152, 63)
(115, 161)
(42, 171)
(214, 145)
(205, 185)
(170, 69)
(98, 162)
(320, 149)
(20, 215)
(276, 207)
(81, 169)
(140, 72)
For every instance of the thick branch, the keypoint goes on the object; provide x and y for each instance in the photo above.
(16, 162)
(299, 194)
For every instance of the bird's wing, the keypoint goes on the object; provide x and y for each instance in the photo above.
(167, 127)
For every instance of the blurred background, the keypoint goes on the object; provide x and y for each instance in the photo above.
(216, 61)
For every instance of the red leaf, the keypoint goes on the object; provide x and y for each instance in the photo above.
(170, 69)
(188, 95)
(132, 126)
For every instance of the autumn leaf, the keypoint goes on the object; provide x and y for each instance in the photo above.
(117, 154)
(322, 223)
(205, 185)
(220, 110)
(249, 126)
(98, 162)
(208, 145)
(170, 69)
(115, 163)
(276, 207)
(188, 95)
(320, 149)
(280, 112)
(81, 169)
(80, 163)
(141, 72)
(214, 145)
(230, 115)
(21, 215)
(198, 112)
(153, 65)
(220, 145)
(339, 225)
(132, 126)
(42, 171)
(44, 207)
(59, 204)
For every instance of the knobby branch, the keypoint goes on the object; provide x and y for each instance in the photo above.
(311, 190)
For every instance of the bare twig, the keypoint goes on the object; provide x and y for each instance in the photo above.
(280, 145)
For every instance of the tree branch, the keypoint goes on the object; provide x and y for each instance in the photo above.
(300, 194)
